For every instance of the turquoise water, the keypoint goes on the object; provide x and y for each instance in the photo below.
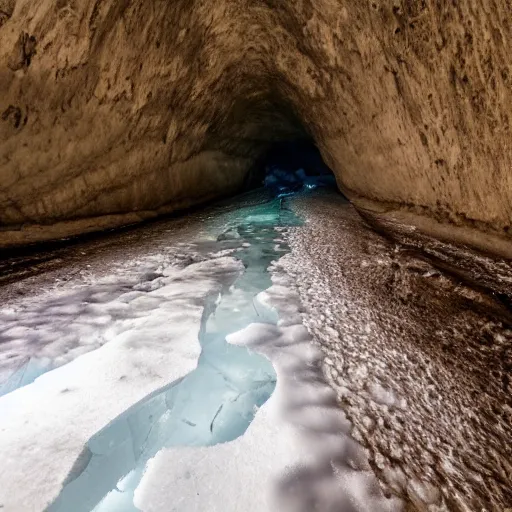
(213, 404)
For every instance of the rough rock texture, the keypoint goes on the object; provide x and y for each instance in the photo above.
(421, 359)
(116, 110)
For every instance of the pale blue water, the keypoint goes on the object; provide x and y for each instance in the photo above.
(213, 404)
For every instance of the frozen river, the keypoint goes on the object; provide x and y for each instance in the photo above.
(112, 376)
(265, 354)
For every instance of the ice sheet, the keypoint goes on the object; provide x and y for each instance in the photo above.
(296, 455)
(131, 392)
(46, 425)
(215, 403)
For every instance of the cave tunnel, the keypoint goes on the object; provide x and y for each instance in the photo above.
(193, 316)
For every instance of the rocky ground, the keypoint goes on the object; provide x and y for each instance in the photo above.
(419, 352)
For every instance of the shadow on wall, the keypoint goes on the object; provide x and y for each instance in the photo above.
(292, 166)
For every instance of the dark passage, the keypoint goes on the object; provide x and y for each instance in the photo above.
(291, 166)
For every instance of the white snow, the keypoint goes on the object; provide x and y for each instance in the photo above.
(44, 426)
(125, 338)
(296, 454)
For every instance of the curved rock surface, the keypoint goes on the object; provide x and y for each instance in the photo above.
(112, 111)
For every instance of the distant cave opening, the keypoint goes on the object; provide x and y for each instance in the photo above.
(291, 166)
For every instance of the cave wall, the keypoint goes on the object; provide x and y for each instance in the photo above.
(116, 110)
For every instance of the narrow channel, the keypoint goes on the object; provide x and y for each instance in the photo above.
(213, 404)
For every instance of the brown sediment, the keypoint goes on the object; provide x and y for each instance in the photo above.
(419, 352)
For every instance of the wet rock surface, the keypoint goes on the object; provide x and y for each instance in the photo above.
(421, 361)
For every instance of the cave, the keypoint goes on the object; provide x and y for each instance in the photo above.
(146, 110)
(255, 256)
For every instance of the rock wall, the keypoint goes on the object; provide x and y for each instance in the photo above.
(117, 110)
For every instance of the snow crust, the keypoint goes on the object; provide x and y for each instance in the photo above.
(45, 425)
(56, 325)
(295, 456)
(86, 429)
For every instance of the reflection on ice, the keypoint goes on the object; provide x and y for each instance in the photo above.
(26, 373)
(213, 404)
